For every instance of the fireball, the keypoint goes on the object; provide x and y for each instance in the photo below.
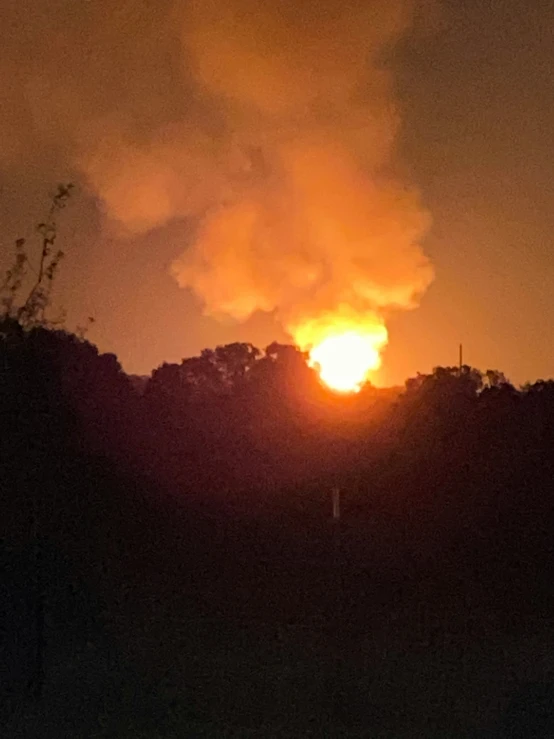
(343, 345)
(345, 360)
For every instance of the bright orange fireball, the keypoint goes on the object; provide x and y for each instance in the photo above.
(345, 360)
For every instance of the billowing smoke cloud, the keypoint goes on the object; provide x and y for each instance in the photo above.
(315, 224)
(271, 124)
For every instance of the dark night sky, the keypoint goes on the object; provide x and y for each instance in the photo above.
(475, 93)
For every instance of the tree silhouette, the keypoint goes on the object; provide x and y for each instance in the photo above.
(201, 496)
(29, 310)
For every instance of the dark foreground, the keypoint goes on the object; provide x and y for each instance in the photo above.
(170, 568)
(252, 630)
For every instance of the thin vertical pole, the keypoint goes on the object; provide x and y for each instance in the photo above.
(336, 503)
(461, 358)
(335, 678)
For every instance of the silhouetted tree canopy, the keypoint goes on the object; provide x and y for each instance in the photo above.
(205, 489)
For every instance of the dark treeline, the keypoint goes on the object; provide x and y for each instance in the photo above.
(171, 566)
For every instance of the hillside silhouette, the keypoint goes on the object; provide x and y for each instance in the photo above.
(171, 566)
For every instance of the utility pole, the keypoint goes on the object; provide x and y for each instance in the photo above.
(336, 503)
(336, 676)
(461, 363)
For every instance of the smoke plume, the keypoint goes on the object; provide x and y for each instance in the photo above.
(270, 126)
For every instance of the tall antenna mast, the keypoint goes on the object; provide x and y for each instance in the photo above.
(461, 358)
